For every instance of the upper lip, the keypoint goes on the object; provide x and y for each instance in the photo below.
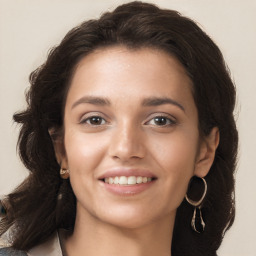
(122, 171)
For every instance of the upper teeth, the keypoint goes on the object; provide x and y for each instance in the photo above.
(131, 180)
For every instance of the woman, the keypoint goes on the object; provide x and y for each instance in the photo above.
(130, 140)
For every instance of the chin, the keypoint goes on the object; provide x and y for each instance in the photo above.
(128, 217)
(128, 223)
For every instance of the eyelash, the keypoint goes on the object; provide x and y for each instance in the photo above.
(84, 121)
(165, 118)
(170, 121)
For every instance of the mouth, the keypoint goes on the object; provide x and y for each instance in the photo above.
(128, 180)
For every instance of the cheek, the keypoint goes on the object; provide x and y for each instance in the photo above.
(176, 157)
(177, 152)
(84, 154)
(83, 151)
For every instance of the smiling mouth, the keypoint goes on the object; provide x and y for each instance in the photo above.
(125, 181)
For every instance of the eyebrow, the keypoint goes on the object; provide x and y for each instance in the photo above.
(151, 101)
(157, 101)
(100, 101)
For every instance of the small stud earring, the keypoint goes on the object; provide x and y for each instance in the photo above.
(64, 173)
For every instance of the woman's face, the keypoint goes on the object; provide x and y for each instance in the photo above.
(130, 118)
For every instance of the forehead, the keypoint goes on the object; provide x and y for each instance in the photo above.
(122, 58)
(129, 73)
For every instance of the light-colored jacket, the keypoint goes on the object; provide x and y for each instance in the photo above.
(50, 248)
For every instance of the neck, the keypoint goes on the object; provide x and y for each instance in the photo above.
(94, 238)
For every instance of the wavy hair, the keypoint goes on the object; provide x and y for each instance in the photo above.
(37, 210)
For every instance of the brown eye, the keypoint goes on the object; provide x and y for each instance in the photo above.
(161, 121)
(94, 120)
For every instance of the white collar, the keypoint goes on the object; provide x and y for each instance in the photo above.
(49, 248)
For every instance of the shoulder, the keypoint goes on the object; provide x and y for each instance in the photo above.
(52, 247)
(8, 251)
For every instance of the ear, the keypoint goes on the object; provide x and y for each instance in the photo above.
(59, 148)
(206, 153)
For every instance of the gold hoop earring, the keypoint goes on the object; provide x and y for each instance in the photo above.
(64, 173)
(197, 208)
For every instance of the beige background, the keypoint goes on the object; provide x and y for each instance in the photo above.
(28, 28)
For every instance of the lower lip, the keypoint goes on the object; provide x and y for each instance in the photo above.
(127, 190)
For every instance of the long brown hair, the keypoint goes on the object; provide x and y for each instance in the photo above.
(44, 202)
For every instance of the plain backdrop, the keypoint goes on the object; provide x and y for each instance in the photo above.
(29, 28)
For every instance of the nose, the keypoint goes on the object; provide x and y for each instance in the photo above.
(127, 143)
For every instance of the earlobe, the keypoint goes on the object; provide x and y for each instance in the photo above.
(206, 153)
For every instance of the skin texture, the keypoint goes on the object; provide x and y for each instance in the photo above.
(128, 136)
